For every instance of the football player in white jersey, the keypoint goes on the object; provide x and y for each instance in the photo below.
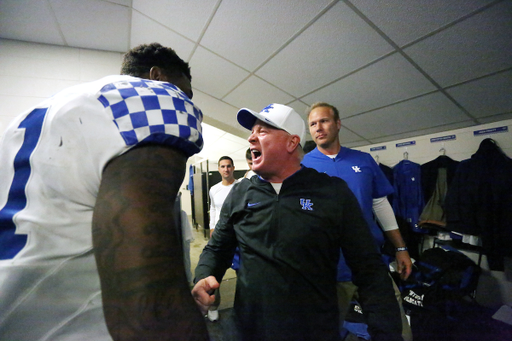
(89, 249)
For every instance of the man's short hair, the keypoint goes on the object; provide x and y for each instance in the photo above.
(226, 158)
(138, 61)
(326, 105)
(248, 155)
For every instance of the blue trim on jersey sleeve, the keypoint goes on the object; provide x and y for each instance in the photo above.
(154, 129)
(130, 138)
(185, 146)
(103, 101)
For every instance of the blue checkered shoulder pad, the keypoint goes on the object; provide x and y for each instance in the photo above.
(148, 111)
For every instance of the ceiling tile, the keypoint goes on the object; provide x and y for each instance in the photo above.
(299, 107)
(406, 21)
(256, 94)
(93, 24)
(216, 109)
(496, 118)
(28, 20)
(145, 31)
(213, 74)
(122, 2)
(420, 113)
(486, 96)
(338, 43)
(473, 48)
(347, 136)
(176, 14)
(249, 32)
(388, 81)
(355, 144)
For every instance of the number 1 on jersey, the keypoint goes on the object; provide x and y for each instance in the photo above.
(10, 242)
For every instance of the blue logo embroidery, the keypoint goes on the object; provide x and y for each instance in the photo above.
(268, 107)
(306, 204)
(251, 204)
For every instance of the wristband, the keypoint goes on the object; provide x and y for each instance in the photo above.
(403, 248)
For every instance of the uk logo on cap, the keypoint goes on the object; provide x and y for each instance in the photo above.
(268, 107)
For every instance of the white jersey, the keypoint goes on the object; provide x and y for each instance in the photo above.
(218, 194)
(52, 158)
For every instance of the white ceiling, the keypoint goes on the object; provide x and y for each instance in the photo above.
(394, 68)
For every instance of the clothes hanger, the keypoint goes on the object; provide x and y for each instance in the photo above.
(406, 155)
(442, 150)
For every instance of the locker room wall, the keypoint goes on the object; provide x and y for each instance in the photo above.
(30, 73)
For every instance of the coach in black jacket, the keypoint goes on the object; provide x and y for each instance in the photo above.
(289, 224)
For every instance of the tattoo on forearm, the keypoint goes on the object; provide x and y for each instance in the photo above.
(137, 247)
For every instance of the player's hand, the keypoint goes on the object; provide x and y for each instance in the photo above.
(403, 264)
(203, 293)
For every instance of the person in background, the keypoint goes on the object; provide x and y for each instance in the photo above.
(309, 146)
(187, 238)
(89, 247)
(218, 194)
(289, 223)
(248, 158)
(370, 187)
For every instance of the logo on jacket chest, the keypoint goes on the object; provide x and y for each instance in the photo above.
(306, 204)
(356, 169)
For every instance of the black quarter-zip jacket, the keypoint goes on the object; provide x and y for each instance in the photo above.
(289, 249)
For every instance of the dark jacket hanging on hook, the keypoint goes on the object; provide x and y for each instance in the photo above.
(408, 198)
(479, 201)
(429, 173)
(436, 176)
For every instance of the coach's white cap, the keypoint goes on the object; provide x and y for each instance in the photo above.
(277, 115)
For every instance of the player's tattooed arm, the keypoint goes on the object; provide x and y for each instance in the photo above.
(138, 251)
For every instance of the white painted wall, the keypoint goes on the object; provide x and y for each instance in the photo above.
(30, 73)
